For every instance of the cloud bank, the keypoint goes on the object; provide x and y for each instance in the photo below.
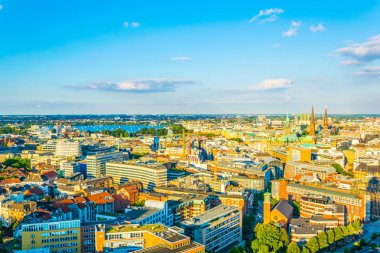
(137, 86)
(293, 29)
(366, 51)
(273, 84)
(369, 71)
(267, 15)
(131, 24)
(317, 28)
(180, 58)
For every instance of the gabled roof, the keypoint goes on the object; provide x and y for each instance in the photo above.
(101, 198)
(35, 190)
(284, 208)
(50, 175)
(10, 181)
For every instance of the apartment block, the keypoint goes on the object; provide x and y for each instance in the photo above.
(358, 206)
(218, 229)
(96, 164)
(58, 236)
(149, 175)
(153, 238)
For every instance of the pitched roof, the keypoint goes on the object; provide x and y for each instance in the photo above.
(10, 181)
(50, 175)
(284, 208)
(34, 190)
(101, 198)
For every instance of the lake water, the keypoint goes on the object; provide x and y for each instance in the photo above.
(127, 128)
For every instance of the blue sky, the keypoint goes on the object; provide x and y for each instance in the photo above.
(121, 56)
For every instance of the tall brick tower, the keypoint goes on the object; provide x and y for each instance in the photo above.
(267, 208)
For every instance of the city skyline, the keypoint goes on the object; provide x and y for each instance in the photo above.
(166, 57)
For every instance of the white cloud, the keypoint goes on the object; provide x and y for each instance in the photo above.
(350, 62)
(267, 15)
(366, 51)
(136, 86)
(317, 28)
(293, 29)
(131, 24)
(135, 24)
(370, 71)
(272, 84)
(180, 58)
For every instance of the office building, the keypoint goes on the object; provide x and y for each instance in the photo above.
(58, 236)
(68, 148)
(311, 205)
(96, 164)
(69, 168)
(358, 206)
(218, 229)
(149, 175)
(152, 238)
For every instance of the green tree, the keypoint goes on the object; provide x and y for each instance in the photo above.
(296, 208)
(345, 231)
(330, 236)
(351, 229)
(248, 221)
(305, 249)
(139, 203)
(313, 245)
(18, 162)
(340, 170)
(357, 225)
(269, 237)
(259, 248)
(178, 128)
(322, 240)
(293, 248)
(236, 249)
(338, 234)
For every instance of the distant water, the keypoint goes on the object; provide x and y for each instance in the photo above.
(127, 128)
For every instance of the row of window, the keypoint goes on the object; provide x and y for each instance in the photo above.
(64, 250)
(67, 232)
(53, 226)
(60, 239)
(212, 237)
(61, 245)
(222, 223)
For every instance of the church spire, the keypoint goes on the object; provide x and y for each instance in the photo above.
(312, 122)
(325, 120)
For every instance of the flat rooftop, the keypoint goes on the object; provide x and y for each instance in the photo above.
(139, 214)
(324, 190)
(210, 215)
(162, 249)
(154, 228)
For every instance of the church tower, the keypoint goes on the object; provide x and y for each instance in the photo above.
(312, 122)
(325, 132)
(267, 207)
(325, 121)
(287, 125)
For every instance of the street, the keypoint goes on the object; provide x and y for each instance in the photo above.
(368, 230)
